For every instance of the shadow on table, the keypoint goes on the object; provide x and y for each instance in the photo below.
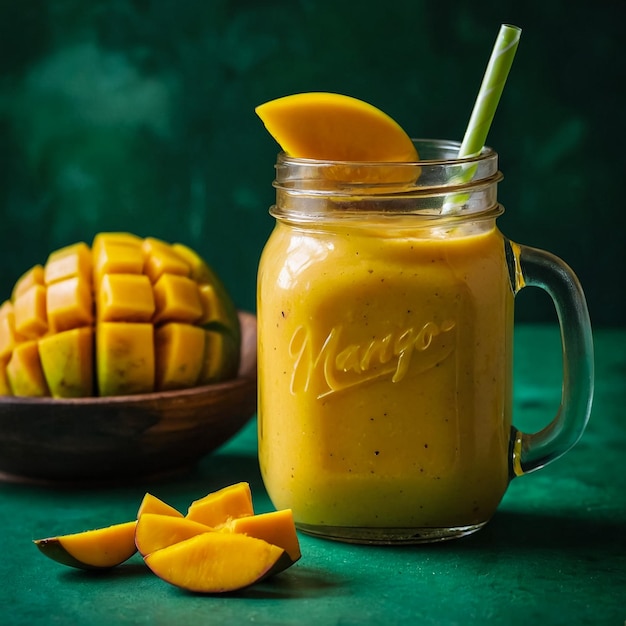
(513, 531)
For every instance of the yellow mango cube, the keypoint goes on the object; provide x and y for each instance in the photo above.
(69, 262)
(125, 297)
(67, 362)
(161, 258)
(69, 304)
(124, 358)
(200, 271)
(24, 371)
(177, 299)
(31, 319)
(5, 386)
(7, 331)
(179, 355)
(34, 276)
(116, 256)
(213, 311)
(221, 357)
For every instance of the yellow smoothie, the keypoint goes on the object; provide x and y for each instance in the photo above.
(384, 373)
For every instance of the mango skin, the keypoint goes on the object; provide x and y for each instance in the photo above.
(125, 316)
(102, 548)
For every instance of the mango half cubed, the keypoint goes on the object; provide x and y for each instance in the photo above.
(136, 315)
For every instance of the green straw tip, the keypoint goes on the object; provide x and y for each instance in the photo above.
(491, 89)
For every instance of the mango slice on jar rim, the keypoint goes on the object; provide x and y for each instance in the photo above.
(335, 127)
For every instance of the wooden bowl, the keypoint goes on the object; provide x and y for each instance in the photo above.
(125, 437)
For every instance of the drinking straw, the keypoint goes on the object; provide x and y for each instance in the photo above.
(487, 100)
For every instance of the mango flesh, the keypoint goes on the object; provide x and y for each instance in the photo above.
(243, 548)
(102, 548)
(124, 316)
(155, 532)
(275, 527)
(221, 506)
(151, 504)
(215, 562)
(335, 127)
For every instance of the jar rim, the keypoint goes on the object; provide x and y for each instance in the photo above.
(438, 185)
(423, 146)
(439, 170)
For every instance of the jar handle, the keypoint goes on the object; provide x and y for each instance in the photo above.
(531, 267)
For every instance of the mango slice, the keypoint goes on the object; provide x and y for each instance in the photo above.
(152, 504)
(330, 126)
(216, 562)
(243, 549)
(155, 532)
(102, 548)
(126, 316)
(219, 507)
(275, 527)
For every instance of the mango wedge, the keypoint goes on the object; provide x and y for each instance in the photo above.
(155, 532)
(242, 550)
(216, 562)
(334, 127)
(219, 507)
(102, 548)
(276, 527)
(124, 316)
(152, 504)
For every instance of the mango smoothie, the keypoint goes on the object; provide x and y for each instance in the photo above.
(384, 365)
(385, 304)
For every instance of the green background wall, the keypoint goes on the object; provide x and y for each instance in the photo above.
(138, 115)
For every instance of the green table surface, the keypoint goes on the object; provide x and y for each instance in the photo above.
(554, 553)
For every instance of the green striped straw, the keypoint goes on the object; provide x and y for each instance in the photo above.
(486, 103)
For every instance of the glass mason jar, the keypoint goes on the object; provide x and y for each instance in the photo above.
(385, 325)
